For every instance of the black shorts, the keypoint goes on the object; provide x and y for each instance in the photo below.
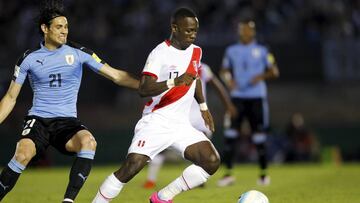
(254, 110)
(51, 131)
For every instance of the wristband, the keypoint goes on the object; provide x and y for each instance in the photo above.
(203, 107)
(170, 83)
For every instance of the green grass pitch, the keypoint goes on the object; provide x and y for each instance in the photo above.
(290, 184)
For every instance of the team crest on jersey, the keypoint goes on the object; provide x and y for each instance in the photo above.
(69, 59)
(195, 64)
(256, 53)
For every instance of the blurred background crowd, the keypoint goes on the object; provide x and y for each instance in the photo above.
(316, 45)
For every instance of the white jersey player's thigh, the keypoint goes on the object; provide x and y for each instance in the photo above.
(151, 137)
(187, 135)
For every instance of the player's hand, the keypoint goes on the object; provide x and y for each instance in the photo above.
(209, 122)
(257, 79)
(185, 79)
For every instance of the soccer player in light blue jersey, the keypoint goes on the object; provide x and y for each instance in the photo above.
(245, 68)
(54, 71)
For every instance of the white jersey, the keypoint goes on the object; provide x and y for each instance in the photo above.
(165, 121)
(166, 62)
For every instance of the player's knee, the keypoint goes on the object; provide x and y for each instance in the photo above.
(25, 151)
(88, 142)
(211, 163)
(24, 156)
(214, 162)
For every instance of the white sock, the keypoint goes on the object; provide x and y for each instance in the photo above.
(110, 188)
(154, 167)
(192, 176)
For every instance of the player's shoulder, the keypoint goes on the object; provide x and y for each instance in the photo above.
(262, 45)
(79, 47)
(161, 49)
(82, 49)
(194, 46)
(27, 55)
(233, 46)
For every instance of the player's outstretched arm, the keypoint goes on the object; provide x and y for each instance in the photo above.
(7, 103)
(270, 73)
(120, 77)
(150, 87)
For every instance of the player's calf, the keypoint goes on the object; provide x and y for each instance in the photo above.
(9, 176)
(80, 170)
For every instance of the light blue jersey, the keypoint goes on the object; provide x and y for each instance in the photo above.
(245, 62)
(55, 77)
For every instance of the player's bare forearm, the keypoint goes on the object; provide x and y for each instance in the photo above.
(6, 106)
(199, 96)
(8, 102)
(128, 80)
(271, 73)
(119, 77)
(149, 87)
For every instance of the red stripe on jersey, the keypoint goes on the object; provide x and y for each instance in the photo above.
(177, 92)
(150, 74)
(194, 62)
(167, 42)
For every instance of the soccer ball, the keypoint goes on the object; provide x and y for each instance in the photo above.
(253, 196)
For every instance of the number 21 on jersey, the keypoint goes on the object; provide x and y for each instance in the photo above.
(55, 80)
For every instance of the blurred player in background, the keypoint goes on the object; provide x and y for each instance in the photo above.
(196, 120)
(246, 66)
(170, 78)
(54, 70)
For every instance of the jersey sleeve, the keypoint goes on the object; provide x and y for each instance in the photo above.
(226, 64)
(269, 58)
(153, 65)
(91, 59)
(21, 69)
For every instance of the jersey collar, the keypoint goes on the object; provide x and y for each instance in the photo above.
(42, 45)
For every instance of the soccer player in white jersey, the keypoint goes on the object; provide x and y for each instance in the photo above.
(207, 77)
(54, 71)
(170, 78)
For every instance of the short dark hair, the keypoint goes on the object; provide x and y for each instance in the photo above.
(182, 12)
(49, 10)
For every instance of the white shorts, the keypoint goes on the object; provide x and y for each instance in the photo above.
(153, 134)
(197, 121)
